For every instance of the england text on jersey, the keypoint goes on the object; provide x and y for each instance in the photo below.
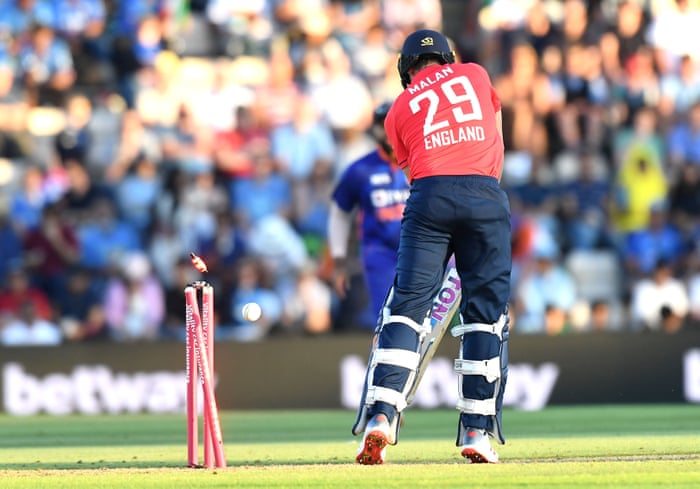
(431, 80)
(455, 135)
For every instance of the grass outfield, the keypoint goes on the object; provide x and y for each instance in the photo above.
(563, 447)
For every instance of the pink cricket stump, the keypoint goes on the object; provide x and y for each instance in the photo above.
(191, 378)
(208, 334)
(200, 358)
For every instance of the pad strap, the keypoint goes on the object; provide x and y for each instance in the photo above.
(390, 396)
(487, 407)
(493, 328)
(421, 329)
(394, 356)
(490, 369)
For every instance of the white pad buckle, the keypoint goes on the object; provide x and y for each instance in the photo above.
(389, 396)
(394, 356)
(492, 328)
(420, 329)
(490, 369)
(487, 407)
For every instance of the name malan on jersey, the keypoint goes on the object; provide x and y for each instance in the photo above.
(429, 81)
(455, 135)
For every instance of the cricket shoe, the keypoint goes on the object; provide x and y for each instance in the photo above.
(477, 447)
(373, 447)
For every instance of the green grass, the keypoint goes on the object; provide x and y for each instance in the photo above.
(563, 447)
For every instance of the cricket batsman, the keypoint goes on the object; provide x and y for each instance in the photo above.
(445, 129)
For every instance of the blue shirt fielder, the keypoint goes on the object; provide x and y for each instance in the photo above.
(375, 190)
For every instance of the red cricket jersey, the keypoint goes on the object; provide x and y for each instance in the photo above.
(444, 123)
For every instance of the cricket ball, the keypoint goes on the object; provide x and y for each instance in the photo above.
(251, 311)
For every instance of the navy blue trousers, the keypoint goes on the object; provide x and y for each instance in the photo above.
(470, 217)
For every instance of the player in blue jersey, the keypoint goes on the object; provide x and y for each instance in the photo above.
(375, 187)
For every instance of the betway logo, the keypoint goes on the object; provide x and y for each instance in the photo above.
(528, 387)
(691, 377)
(92, 389)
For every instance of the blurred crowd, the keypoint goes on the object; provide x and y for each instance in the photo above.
(133, 132)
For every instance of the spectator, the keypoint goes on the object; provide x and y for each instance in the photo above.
(136, 140)
(343, 98)
(351, 24)
(219, 96)
(267, 192)
(226, 247)
(303, 143)
(234, 147)
(28, 329)
(584, 204)
(527, 94)
(79, 308)
(659, 302)
(370, 61)
(309, 308)
(643, 137)
(606, 317)
(105, 238)
(79, 19)
(46, 67)
(82, 23)
(50, 250)
(400, 17)
(612, 63)
(127, 15)
(18, 16)
(12, 103)
(683, 139)
(82, 194)
(135, 49)
(673, 31)
(641, 86)
(201, 200)
(11, 250)
(684, 199)
(148, 41)
(275, 99)
(539, 31)
(629, 29)
(578, 26)
(538, 197)
(680, 89)
(73, 142)
(311, 206)
(186, 145)
(137, 193)
(660, 240)
(19, 290)
(586, 91)
(242, 28)
(639, 184)
(279, 246)
(545, 295)
(134, 300)
(27, 203)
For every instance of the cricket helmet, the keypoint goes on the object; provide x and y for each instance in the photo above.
(377, 128)
(420, 44)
